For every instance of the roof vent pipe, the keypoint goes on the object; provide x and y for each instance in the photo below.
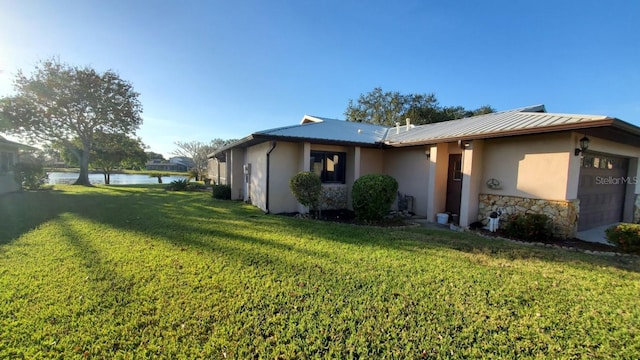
(408, 123)
(397, 127)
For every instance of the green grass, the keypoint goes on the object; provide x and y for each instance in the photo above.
(137, 272)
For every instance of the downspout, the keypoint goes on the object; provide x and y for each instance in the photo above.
(273, 146)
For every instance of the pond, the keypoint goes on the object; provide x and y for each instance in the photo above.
(57, 178)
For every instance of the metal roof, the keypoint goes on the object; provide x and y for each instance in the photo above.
(317, 129)
(507, 123)
(522, 121)
(324, 129)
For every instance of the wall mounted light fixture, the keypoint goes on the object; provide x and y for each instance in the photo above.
(584, 145)
(465, 144)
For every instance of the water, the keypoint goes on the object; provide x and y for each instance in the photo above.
(57, 178)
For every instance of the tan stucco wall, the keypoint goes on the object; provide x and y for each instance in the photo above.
(410, 167)
(437, 180)
(235, 171)
(257, 157)
(529, 166)
(472, 171)
(371, 161)
(285, 162)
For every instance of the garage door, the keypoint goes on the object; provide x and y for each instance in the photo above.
(601, 190)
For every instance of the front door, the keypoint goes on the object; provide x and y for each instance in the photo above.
(454, 184)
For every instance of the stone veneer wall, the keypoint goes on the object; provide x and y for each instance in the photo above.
(564, 214)
(334, 197)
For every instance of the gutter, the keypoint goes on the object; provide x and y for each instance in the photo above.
(273, 146)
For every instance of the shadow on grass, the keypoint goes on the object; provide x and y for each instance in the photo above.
(196, 220)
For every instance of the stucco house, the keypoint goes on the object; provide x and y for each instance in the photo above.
(9, 152)
(176, 163)
(581, 170)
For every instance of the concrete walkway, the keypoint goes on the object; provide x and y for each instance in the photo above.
(595, 235)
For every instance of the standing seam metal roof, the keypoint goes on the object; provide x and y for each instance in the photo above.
(331, 130)
(488, 125)
(527, 120)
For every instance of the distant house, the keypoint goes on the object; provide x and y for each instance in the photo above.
(9, 156)
(517, 161)
(176, 163)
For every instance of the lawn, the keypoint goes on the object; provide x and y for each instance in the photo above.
(138, 272)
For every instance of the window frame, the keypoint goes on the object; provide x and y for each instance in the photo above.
(341, 170)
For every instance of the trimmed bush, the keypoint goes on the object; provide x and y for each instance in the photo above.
(529, 227)
(222, 192)
(30, 175)
(372, 196)
(306, 186)
(625, 236)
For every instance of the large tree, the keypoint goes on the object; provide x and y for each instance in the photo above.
(114, 151)
(58, 103)
(198, 152)
(108, 153)
(390, 107)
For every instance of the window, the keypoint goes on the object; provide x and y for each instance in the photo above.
(6, 161)
(602, 162)
(457, 170)
(330, 166)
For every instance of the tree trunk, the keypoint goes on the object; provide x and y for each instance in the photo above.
(83, 178)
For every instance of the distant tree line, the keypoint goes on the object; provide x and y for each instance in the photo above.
(390, 107)
(198, 152)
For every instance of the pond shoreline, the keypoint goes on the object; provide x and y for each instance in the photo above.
(59, 178)
(129, 172)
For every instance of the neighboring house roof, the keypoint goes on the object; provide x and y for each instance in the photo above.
(182, 160)
(522, 121)
(4, 141)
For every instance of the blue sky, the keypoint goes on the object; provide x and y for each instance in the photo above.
(224, 69)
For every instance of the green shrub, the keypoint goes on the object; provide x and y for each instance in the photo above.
(222, 192)
(306, 186)
(30, 175)
(625, 236)
(372, 196)
(529, 227)
(178, 185)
